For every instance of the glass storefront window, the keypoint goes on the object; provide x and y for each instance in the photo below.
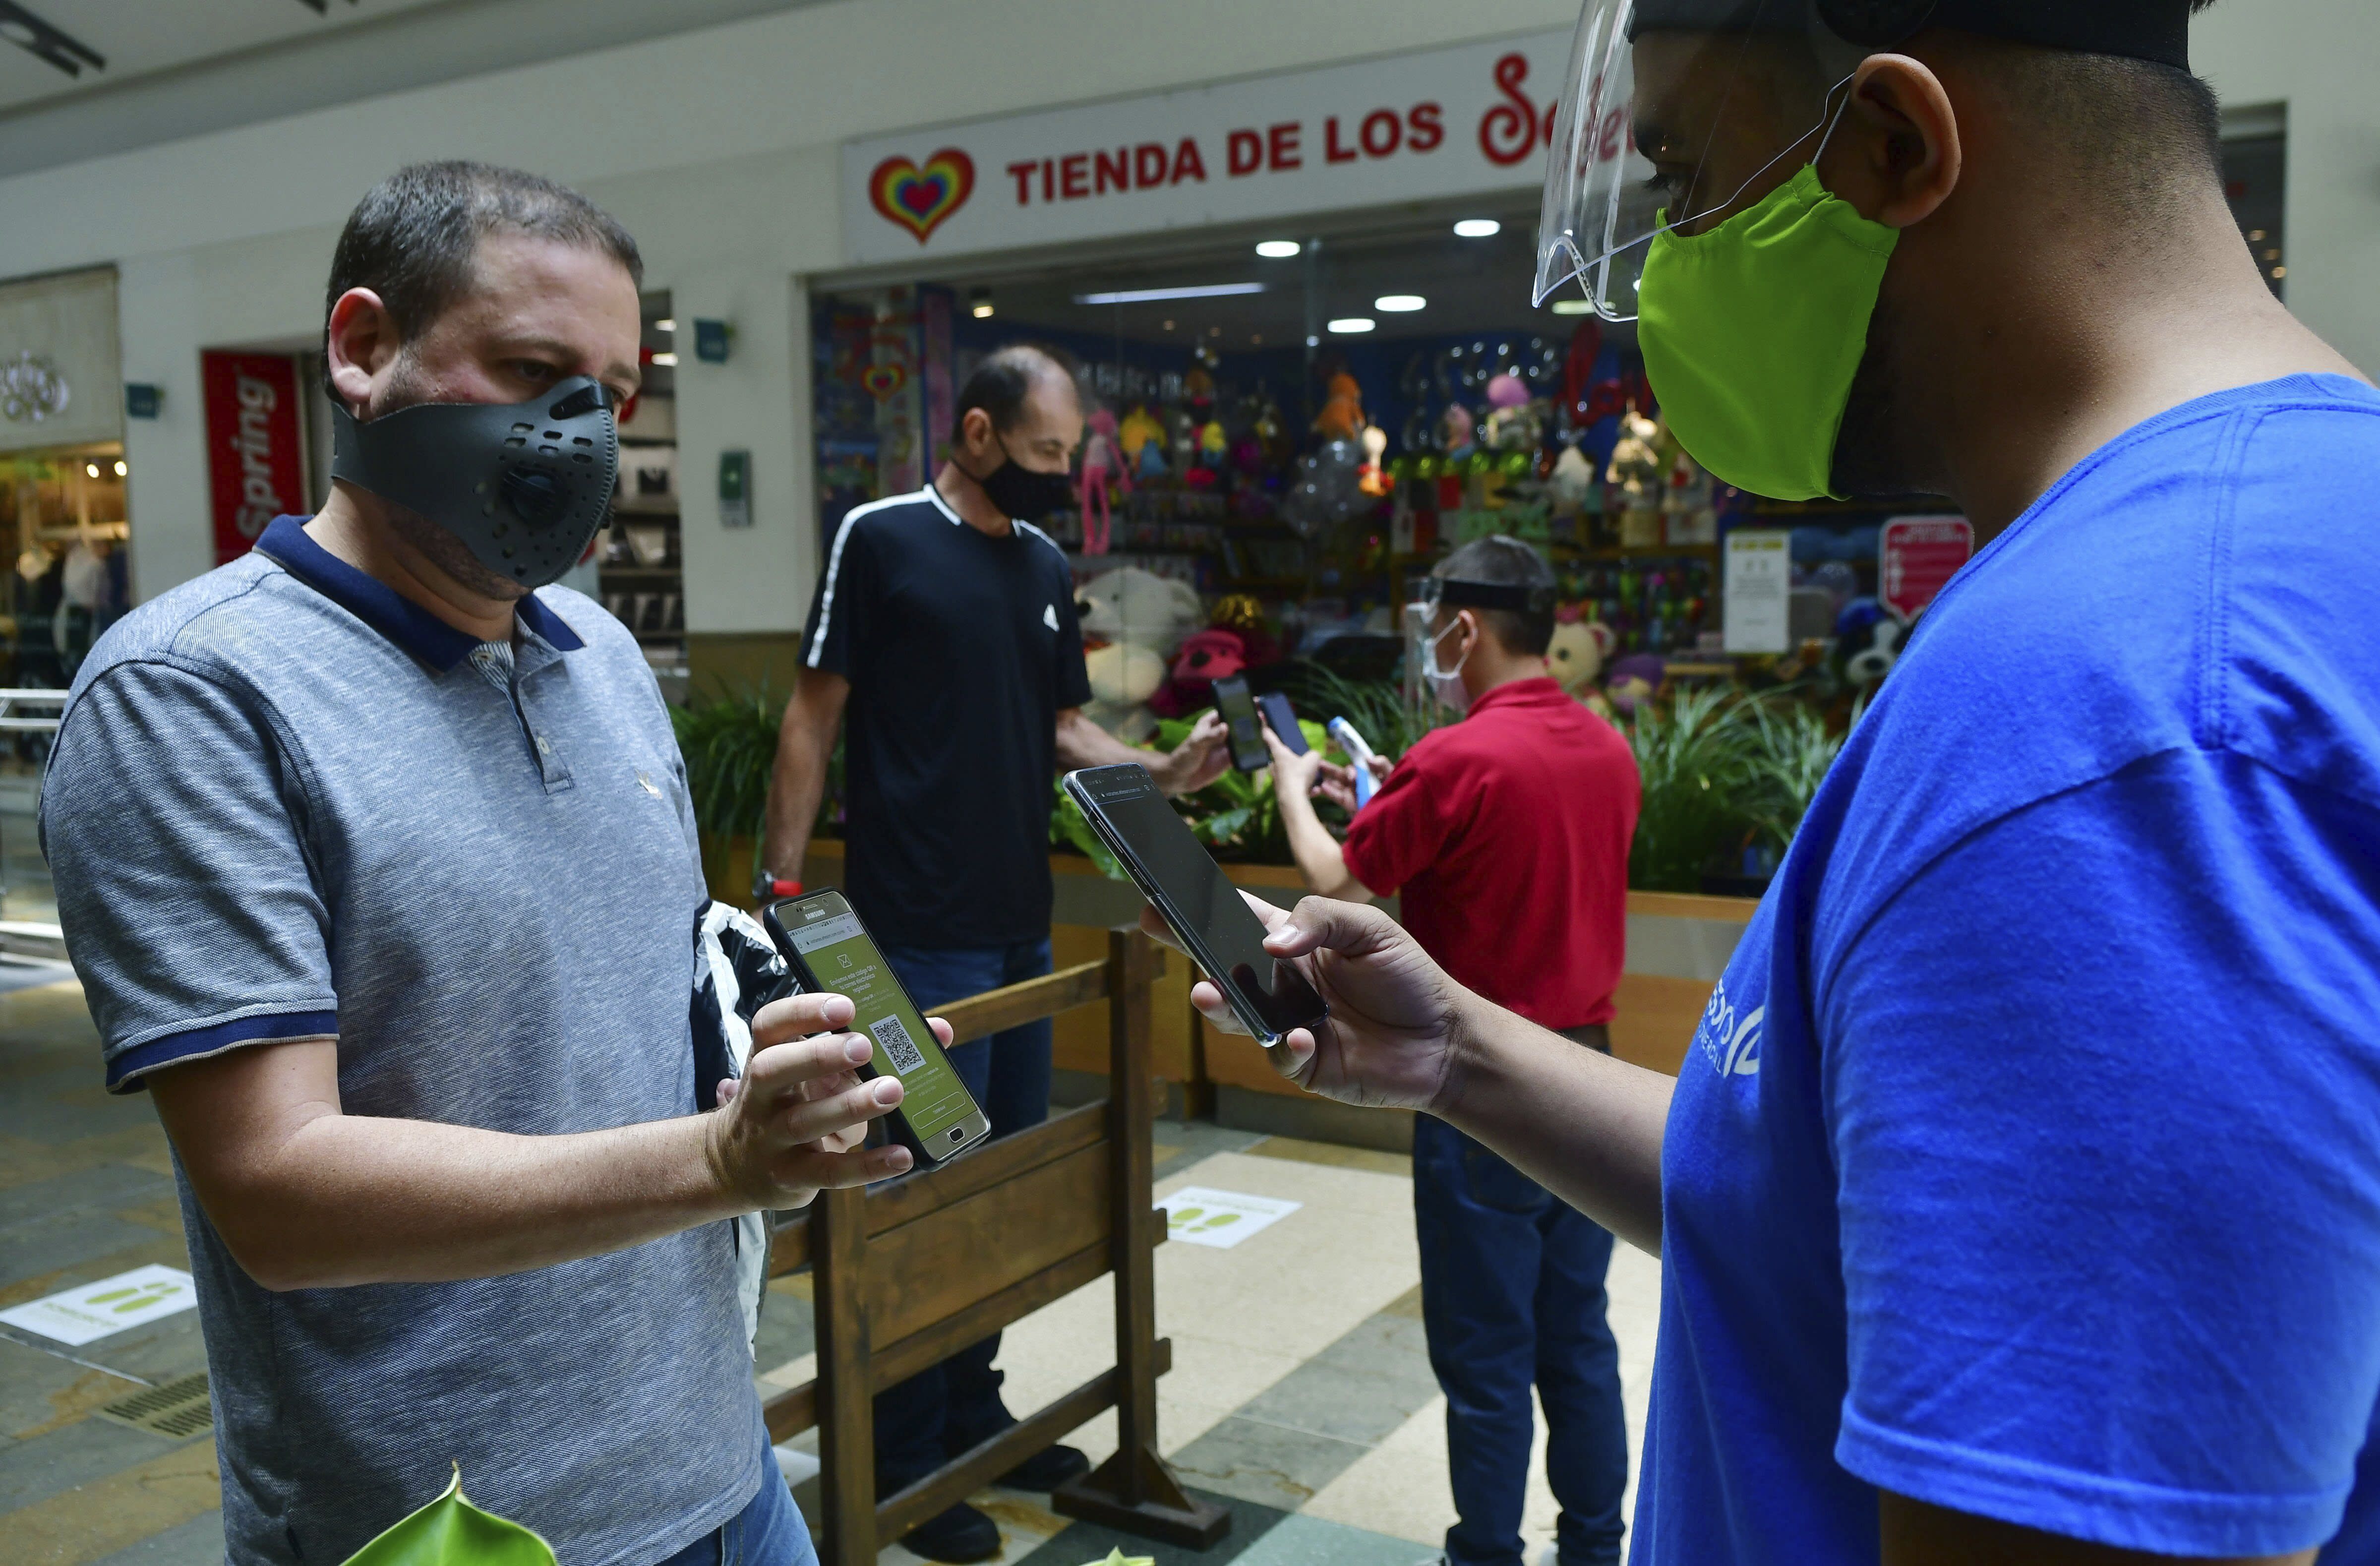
(63, 523)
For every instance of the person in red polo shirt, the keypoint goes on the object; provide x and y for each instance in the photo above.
(1507, 835)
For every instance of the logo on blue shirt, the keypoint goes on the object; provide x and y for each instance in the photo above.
(1732, 1043)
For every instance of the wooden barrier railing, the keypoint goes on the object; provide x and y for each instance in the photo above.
(921, 1267)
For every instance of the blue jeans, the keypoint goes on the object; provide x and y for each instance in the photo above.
(946, 1408)
(1512, 1295)
(767, 1532)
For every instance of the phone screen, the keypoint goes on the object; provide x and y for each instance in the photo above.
(844, 961)
(1204, 906)
(1283, 719)
(1239, 712)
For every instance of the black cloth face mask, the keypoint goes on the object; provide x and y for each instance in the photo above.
(524, 485)
(1023, 496)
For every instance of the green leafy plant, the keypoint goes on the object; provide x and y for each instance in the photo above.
(1376, 708)
(1694, 757)
(730, 746)
(450, 1531)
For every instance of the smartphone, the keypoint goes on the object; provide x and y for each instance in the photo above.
(1282, 720)
(832, 952)
(1239, 710)
(1359, 753)
(1205, 911)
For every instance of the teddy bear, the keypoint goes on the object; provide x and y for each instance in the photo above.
(1208, 656)
(1131, 621)
(1575, 657)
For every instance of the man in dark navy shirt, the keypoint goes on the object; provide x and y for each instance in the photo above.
(943, 625)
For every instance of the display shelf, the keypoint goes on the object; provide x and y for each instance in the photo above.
(646, 506)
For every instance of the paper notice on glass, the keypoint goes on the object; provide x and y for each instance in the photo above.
(1758, 589)
(1199, 1214)
(94, 1310)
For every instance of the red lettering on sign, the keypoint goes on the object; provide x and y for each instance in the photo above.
(1383, 133)
(1281, 146)
(1245, 151)
(1188, 164)
(1111, 173)
(1023, 173)
(1508, 131)
(1048, 193)
(1075, 176)
(1606, 145)
(1148, 164)
(1425, 128)
(1331, 150)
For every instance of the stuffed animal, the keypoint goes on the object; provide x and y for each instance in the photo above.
(1204, 658)
(1371, 478)
(1343, 414)
(1636, 680)
(1104, 468)
(1454, 431)
(1867, 643)
(1579, 648)
(1131, 621)
(1573, 480)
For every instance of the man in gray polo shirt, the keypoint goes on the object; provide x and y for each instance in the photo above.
(378, 869)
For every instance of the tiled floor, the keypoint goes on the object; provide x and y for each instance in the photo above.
(1301, 1395)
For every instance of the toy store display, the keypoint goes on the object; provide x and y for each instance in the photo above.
(1233, 508)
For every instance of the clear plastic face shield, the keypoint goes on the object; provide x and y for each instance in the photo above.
(1677, 114)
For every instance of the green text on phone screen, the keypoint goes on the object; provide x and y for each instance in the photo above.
(847, 962)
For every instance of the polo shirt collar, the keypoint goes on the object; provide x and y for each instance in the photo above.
(1521, 693)
(413, 629)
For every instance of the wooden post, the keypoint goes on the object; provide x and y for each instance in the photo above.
(847, 1415)
(1135, 1491)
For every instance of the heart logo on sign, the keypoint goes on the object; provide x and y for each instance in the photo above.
(883, 381)
(919, 198)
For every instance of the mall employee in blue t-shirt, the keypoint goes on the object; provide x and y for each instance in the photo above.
(942, 638)
(2019, 1198)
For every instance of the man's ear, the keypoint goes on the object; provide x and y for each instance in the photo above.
(975, 430)
(361, 340)
(1895, 154)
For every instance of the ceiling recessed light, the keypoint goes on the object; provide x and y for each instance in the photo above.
(666, 323)
(1168, 326)
(980, 303)
(665, 362)
(1278, 249)
(1150, 295)
(120, 469)
(1478, 228)
(90, 469)
(1573, 307)
(1348, 325)
(1399, 304)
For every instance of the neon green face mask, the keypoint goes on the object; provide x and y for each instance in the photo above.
(1752, 334)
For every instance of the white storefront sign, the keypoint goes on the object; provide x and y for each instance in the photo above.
(1757, 590)
(60, 384)
(1449, 122)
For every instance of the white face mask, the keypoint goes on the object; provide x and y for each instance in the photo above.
(1446, 683)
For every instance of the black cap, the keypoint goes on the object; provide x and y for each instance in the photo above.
(1454, 593)
(2157, 30)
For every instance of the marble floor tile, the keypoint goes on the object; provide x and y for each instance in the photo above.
(1307, 1540)
(98, 1519)
(198, 1542)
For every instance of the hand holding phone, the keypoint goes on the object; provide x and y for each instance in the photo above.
(795, 1124)
(828, 949)
(1238, 711)
(1282, 718)
(1204, 910)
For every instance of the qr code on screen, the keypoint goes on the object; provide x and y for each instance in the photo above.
(898, 1047)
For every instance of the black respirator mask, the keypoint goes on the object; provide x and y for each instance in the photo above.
(1024, 495)
(524, 485)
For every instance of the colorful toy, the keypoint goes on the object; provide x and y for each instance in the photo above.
(1132, 620)
(1204, 658)
(1103, 467)
(1636, 680)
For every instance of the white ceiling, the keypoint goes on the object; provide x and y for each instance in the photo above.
(185, 67)
(139, 37)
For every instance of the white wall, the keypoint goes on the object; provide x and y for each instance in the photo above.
(2320, 57)
(717, 148)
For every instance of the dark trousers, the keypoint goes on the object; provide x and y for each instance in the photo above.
(1511, 1291)
(946, 1408)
